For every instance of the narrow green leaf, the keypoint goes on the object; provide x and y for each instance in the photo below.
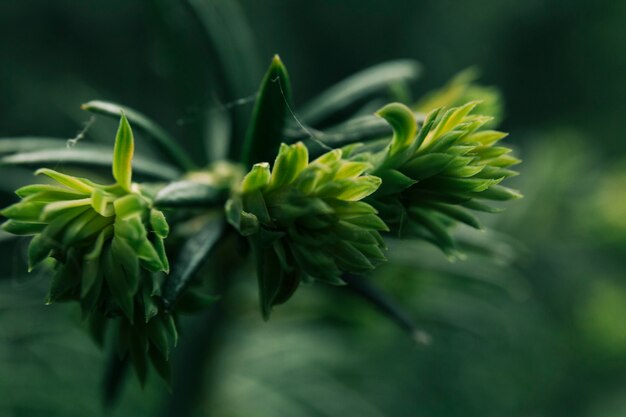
(258, 177)
(150, 308)
(120, 281)
(498, 193)
(437, 229)
(38, 250)
(26, 211)
(170, 326)
(193, 253)
(22, 228)
(268, 116)
(159, 223)
(393, 182)
(91, 158)
(289, 163)
(159, 247)
(475, 205)
(348, 258)
(237, 65)
(233, 42)
(359, 188)
(28, 143)
(390, 308)
(74, 183)
(91, 264)
(123, 153)
(65, 280)
(426, 166)
(35, 189)
(53, 209)
(269, 274)
(157, 333)
(189, 194)
(358, 87)
(194, 301)
(369, 221)
(129, 206)
(102, 203)
(161, 137)
(75, 226)
(161, 365)
(456, 213)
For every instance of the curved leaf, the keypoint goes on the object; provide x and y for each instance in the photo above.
(140, 121)
(89, 157)
(189, 194)
(233, 42)
(386, 305)
(30, 143)
(402, 120)
(357, 87)
(358, 129)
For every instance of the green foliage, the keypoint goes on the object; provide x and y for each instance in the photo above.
(461, 89)
(154, 131)
(306, 221)
(432, 176)
(106, 243)
(358, 88)
(269, 115)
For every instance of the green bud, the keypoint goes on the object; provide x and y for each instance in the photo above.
(309, 223)
(432, 178)
(107, 244)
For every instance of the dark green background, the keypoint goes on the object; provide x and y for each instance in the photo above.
(541, 336)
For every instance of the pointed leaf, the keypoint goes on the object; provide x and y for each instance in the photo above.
(154, 131)
(265, 130)
(358, 87)
(123, 153)
(192, 255)
(89, 158)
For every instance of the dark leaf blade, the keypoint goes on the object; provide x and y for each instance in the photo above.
(387, 306)
(30, 143)
(358, 129)
(265, 131)
(114, 378)
(189, 194)
(193, 254)
(232, 42)
(358, 87)
(160, 136)
(236, 62)
(100, 157)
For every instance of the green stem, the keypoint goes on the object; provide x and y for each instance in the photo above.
(386, 305)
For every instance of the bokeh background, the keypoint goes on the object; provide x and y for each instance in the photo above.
(534, 327)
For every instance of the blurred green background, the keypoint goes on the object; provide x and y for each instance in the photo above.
(533, 328)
